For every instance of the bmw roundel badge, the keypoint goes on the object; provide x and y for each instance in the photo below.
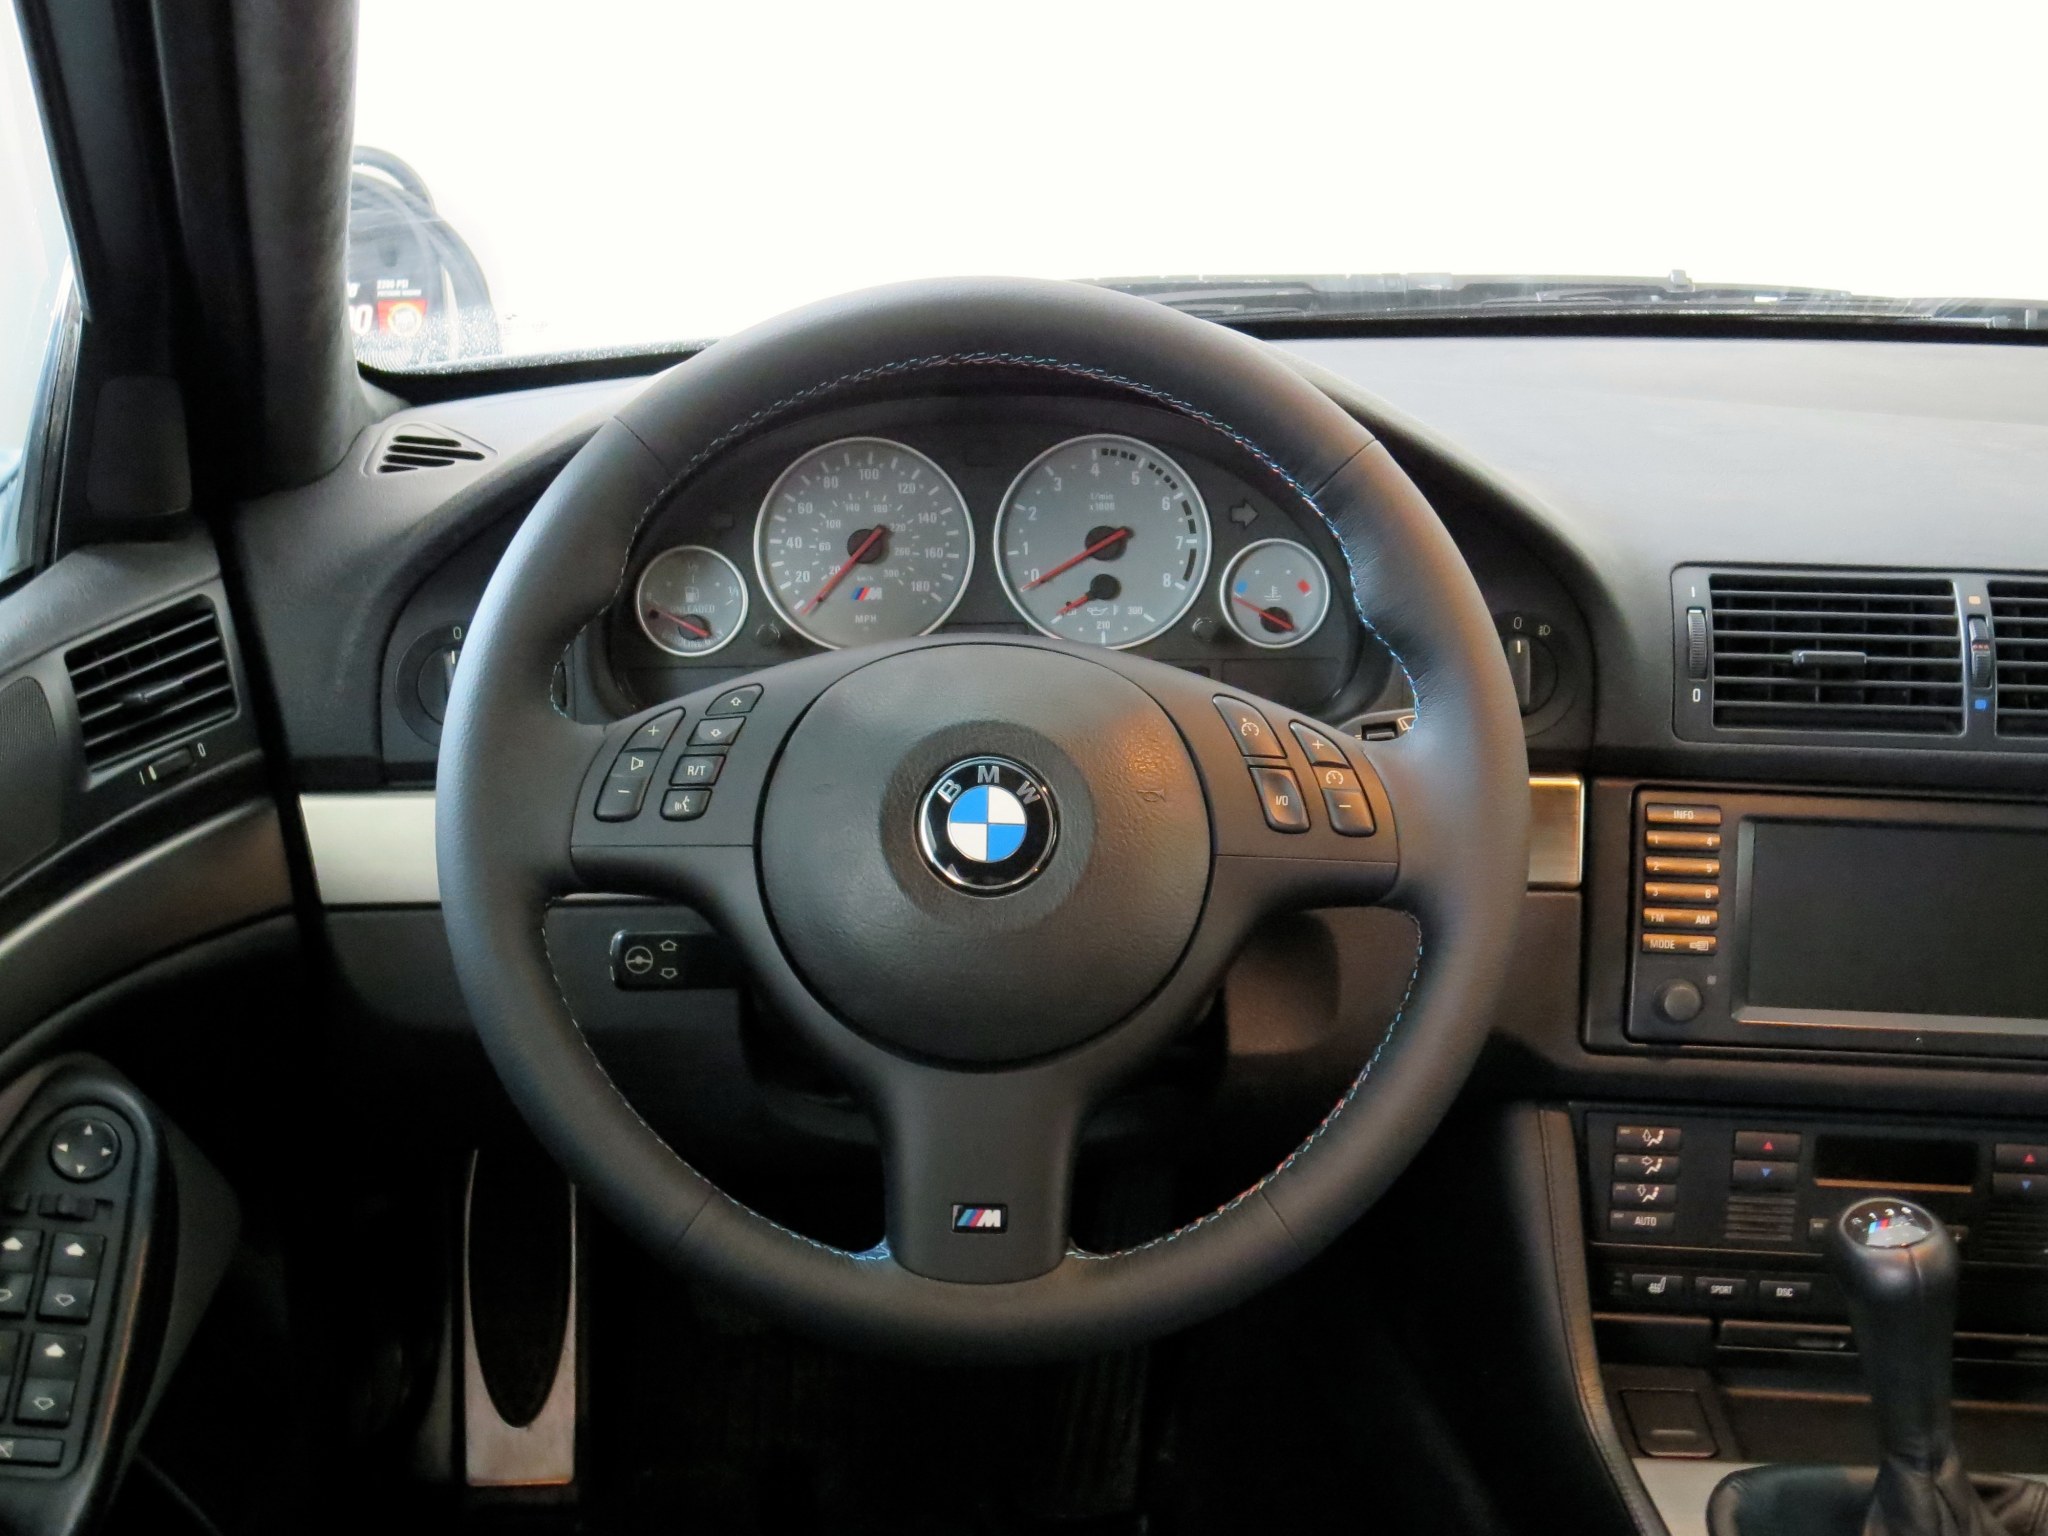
(987, 825)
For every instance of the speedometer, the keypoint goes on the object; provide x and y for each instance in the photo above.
(863, 540)
(1103, 540)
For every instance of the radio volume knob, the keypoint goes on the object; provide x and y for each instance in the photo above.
(1679, 1001)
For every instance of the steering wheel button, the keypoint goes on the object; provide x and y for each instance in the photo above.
(654, 735)
(685, 804)
(1255, 736)
(1280, 798)
(738, 701)
(621, 797)
(716, 733)
(1335, 778)
(697, 770)
(1322, 751)
(84, 1149)
(1349, 811)
(634, 765)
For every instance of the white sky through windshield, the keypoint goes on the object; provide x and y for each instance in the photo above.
(650, 172)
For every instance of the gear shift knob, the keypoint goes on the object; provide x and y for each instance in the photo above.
(1897, 1267)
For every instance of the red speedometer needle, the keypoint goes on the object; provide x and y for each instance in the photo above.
(1270, 615)
(680, 622)
(851, 561)
(1093, 549)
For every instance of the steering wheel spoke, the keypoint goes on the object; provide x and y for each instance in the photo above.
(978, 1168)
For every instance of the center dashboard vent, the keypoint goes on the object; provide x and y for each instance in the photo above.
(2019, 629)
(1818, 651)
(152, 681)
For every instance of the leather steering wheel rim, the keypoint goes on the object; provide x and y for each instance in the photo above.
(508, 845)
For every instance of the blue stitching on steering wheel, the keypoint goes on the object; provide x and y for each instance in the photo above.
(1145, 391)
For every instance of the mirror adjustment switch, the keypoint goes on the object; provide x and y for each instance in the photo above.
(85, 1149)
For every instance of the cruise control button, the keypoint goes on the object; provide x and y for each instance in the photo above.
(1349, 811)
(1335, 778)
(44, 1401)
(1682, 815)
(84, 1149)
(621, 797)
(1280, 799)
(66, 1299)
(30, 1451)
(1679, 944)
(654, 735)
(1670, 837)
(716, 733)
(1318, 748)
(76, 1253)
(685, 804)
(1681, 917)
(1254, 735)
(738, 701)
(697, 770)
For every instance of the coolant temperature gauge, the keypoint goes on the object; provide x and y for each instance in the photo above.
(691, 600)
(1275, 593)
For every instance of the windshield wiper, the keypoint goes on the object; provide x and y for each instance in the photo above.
(1414, 294)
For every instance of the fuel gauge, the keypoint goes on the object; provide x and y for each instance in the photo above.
(1275, 593)
(691, 600)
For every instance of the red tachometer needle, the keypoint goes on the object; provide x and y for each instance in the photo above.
(680, 622)
(1270, 615)
(1093, 549)
(852, 560)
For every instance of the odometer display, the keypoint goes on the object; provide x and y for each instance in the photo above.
(863, 540)
(1103, 540)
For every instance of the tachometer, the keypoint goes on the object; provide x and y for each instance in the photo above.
(691, 600)
(863, 540)
(1104, 540)
(1275, 593)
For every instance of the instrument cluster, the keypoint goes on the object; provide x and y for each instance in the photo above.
(1096, 522)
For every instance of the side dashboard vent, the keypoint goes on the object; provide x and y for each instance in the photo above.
(2019, 631)
(422, 446)
(1816, 651)
(153, 681)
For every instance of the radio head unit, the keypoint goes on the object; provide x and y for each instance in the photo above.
(1839, 923)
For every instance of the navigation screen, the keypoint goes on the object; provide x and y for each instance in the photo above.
(1888, 919)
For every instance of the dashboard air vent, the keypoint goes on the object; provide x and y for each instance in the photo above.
(2019, 631)
(150, 682)
(421, 446)
(1818, 651)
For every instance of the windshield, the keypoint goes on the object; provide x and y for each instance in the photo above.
(541, 180)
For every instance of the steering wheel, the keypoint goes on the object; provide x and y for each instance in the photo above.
(985, 877)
